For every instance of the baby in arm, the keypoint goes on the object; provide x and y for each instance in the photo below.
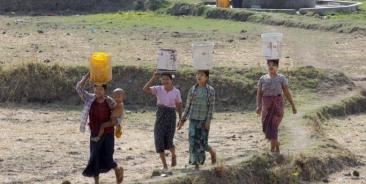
(117, 115)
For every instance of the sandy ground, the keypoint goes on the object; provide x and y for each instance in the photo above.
(350, 133)
(72, 43)
(43, 145)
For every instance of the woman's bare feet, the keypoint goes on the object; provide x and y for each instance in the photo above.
(174, 160)
(197, 167)
(213, 156)
(119, 174)
(96, 180)
(277, 148)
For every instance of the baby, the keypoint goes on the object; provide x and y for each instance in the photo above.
(117, 115)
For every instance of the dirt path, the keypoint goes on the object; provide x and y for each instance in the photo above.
(350, 133)
(47, 140)
(297, 134)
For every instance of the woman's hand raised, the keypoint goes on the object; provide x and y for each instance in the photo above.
(155, 75)
(87, 75)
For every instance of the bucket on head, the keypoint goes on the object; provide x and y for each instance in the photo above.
(100, 68)
(167, 61)
(203, 55)
(272, 45)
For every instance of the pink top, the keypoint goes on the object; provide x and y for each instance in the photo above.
(166, 98)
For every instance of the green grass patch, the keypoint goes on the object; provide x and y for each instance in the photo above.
(356, 17)
(346, 23)
(235, 88)
(345, 107)
(148, 20)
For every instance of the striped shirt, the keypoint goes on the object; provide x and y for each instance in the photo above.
(88, 99)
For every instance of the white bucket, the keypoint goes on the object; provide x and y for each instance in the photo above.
(167, 60)
(203, 55)
(272, 45)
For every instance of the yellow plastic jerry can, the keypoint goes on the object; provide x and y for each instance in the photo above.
(223, 3)
(100, 68)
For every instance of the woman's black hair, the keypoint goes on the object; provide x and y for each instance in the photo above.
(168, 75)
(274, 61)
(206, 72)
(103, 85)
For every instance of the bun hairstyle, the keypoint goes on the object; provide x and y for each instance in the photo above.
(103, 85)
(168, 75)
(206, 72)
(274, 61)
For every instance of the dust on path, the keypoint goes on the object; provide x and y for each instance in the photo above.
(297, 134)
(43, 145)
(349, 132)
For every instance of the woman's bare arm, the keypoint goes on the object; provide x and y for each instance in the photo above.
(259, 100)
(179, 109)
(288, 95)
(150, 83)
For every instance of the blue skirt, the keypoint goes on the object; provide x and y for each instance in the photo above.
(198, 142)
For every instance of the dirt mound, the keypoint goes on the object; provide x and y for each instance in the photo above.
(268, 169)
(235, 88)
(349, 106)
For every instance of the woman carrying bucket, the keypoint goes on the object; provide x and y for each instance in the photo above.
(98, 109)
(169, 102)
(199, 107)
(97, 112)
(271, 88)
(199, 110)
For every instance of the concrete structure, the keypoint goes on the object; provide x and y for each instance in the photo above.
(279, 4)
(330, 6)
